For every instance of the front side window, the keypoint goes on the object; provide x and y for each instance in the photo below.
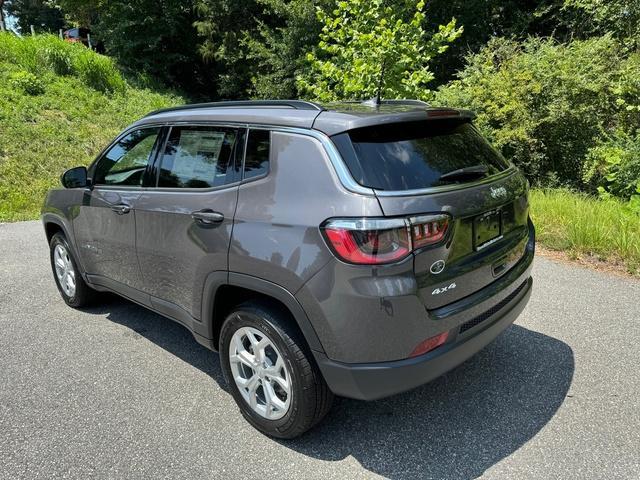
(256, 162)
(198, 157)
(126, 161)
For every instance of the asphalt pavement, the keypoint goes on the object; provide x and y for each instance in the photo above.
(116, 391)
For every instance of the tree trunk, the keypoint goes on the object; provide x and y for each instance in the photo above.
(3, 27)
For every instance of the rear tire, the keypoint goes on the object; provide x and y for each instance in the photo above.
(72, 287)
(285, 367)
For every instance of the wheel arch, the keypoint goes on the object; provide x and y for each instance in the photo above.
(225, 290)
(52, 226)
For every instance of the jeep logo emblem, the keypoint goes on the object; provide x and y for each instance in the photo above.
(437, 267)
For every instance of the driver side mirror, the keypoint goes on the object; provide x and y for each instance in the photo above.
(74, 177)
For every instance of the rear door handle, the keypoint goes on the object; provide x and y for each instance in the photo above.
(121, 209)
(207, 217)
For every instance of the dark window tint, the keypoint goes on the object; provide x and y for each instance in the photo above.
(198, 157)
(126, 161)
(416, 155)
(256, 161)
(239, 155)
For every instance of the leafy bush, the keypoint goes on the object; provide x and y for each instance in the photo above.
(614, 166)
(27, 82)
(548, 106)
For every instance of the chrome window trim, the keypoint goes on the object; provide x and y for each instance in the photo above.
(191, 189)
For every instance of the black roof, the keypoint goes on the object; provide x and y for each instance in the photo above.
(329, 118)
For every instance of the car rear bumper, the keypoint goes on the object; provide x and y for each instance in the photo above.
(371, 381)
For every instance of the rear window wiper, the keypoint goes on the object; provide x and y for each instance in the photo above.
(464, 173)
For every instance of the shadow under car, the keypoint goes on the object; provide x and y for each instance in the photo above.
(457, 426)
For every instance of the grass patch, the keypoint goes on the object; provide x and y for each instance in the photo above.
(582, 225)
(60, 104)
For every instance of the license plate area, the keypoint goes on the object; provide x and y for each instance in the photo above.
(487, 229)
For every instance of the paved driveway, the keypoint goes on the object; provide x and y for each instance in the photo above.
(117, 391)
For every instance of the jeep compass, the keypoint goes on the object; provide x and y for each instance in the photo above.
(350, 249)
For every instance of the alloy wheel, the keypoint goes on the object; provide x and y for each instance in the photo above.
(64, 270)
(259, 372)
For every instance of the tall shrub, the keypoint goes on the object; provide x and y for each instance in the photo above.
(548, 105)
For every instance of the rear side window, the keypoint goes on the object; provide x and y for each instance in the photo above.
(415, 155)
(198, 157)
(256, 162)
(126, 161)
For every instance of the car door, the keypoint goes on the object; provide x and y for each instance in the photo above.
(183, 226)
(104, 226)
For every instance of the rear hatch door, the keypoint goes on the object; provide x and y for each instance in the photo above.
(436, 166)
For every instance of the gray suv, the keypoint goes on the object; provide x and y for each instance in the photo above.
(350, 249)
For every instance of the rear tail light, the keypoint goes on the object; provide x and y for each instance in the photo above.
(378, 241)
(428, 230)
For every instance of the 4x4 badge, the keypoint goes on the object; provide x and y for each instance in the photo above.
(437, 267)
(440, 290)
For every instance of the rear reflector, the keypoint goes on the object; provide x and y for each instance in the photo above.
(429, 344)
(371, 241)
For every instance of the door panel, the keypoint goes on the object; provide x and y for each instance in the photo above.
(176, 251)
(106, 238)
(183, 227)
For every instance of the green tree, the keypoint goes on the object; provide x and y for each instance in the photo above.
(150, 38)
(486, 19)
(221, 27)
(276, 47)
(368, 47)
(562, 20)
(598, 17)
(84, 13)
(3, 25)
(39, 13)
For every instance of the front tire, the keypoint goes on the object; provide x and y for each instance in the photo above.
(72, 287)
(271, 373)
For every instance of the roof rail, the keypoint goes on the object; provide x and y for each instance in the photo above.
(296, 104)
(374, 102)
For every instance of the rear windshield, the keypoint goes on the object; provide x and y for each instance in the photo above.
(414, 155)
